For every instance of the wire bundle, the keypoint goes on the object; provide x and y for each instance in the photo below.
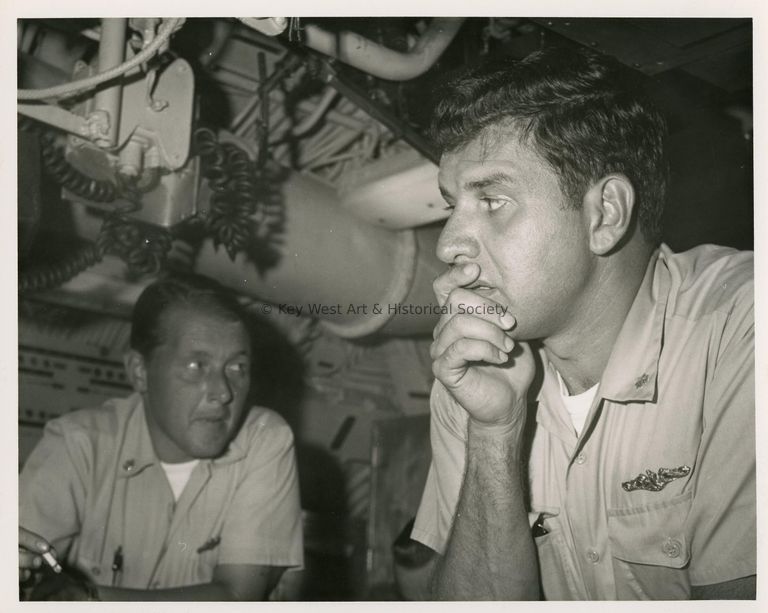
(72, 179)
(142, 247)
(47, 277)
(246, 213)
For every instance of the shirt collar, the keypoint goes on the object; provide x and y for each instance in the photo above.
(552, 414)
(138, 453)
(632, 369)
(631, 372)
(238, 447)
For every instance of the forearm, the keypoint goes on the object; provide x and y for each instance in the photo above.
(490, 554)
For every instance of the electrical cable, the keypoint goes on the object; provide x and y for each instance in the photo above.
(59, 168)
(70, 89)
(264, 108)
(72, 179)
(285, 67)
(50, 276)
(143, 247)
(309, 122)
(324, 141)
(333, 148)
(246, 213)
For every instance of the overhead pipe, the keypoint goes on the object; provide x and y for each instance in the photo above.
(271, 26)
(168, 27)
(109, 99)
(341, 265)
(381, 61)
(221, 30)
(330, 259)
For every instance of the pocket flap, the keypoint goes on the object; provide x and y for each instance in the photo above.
(651, 534)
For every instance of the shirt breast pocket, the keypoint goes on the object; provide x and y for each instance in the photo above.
(94, 570)
(559, 575)
(205, 559)
(651, 549)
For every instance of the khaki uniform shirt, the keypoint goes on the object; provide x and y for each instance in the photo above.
(94, 484)
(677, 393)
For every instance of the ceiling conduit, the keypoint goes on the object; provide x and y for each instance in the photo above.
(381, 61)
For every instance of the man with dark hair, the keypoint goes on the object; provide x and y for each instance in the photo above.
(179, 492)
(593, 409)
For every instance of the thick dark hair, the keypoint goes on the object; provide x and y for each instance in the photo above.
(583, 112)
(179, 290)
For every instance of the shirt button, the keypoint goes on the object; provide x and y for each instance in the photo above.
(581, 458)
(96, 571)
(593, 556)
(128, 465)
(672, 548)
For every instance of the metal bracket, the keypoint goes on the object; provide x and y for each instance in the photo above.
(166, 119)
(55, 116)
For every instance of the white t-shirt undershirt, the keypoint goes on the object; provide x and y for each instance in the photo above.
(178, 475)
(577, 405)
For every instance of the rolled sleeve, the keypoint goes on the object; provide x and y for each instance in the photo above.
(263, 524)
(723, 517)
(448, 435)
(52, 488)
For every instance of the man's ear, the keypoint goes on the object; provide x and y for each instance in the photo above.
(136, 370)
(609, 204)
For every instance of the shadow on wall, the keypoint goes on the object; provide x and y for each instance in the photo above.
(330, 572)
(278, 371)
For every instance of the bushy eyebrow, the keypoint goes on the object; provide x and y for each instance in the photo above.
(492, 179)
(198, 354)
(495, 178)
